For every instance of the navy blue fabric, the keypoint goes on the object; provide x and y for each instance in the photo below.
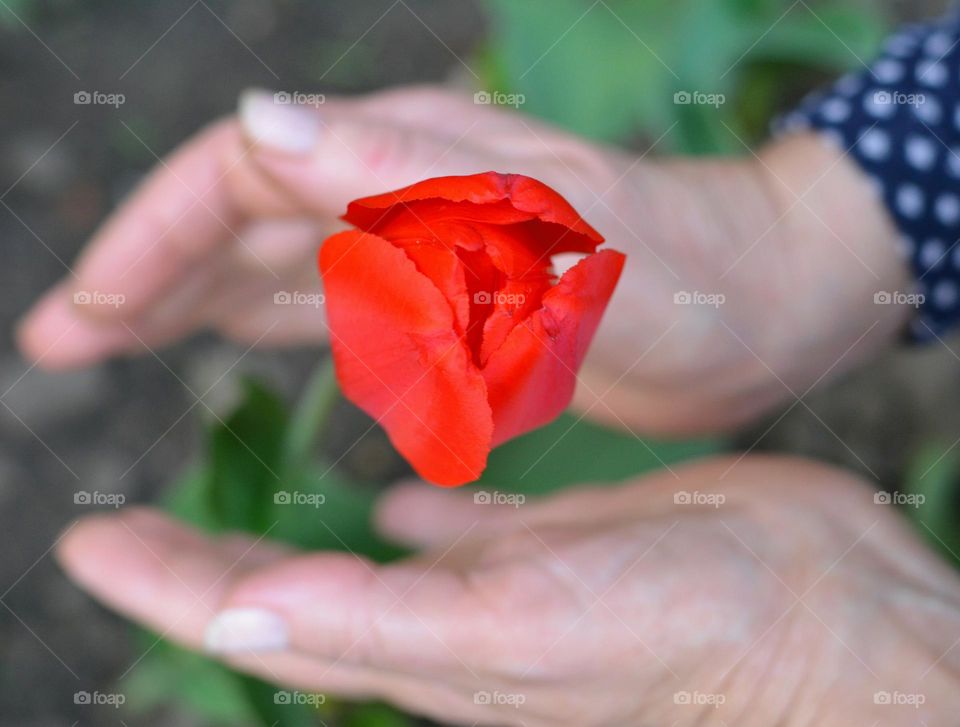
(900, 120)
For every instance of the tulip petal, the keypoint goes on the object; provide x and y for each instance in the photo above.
(532, 376)
(555, 223)
(445, 269)
(399, 358)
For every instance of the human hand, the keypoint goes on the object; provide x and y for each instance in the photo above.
(780, 595)
(236, 215)
(792, 239)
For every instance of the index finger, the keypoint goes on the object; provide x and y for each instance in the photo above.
(181, 213)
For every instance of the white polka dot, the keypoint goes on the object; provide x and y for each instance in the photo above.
(836, 110)
(938, 44)
(879, 104)
(910, 200)
(849, 85)
(947, 209)
(932, 73)
(945, 294)
(920, 152)
(793, 122)
(888, 71)
(875, 144)
(928, 109)
(901, 44)
(931, 253)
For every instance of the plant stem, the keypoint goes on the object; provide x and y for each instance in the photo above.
(312, 412)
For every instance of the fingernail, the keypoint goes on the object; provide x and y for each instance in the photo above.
(286, 127)
(245, 629)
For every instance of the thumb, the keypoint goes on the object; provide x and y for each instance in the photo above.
(324, 157)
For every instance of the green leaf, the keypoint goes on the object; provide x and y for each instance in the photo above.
(320, 510)
(376, 715)
(934, 475)
(203, 686)
(311, 415)
(263, 701)
(245, 456)
(572, 451)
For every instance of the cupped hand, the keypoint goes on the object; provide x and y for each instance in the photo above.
(224, 233)
(765, 591)
(747, 280)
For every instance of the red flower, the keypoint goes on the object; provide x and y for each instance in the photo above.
(447, 323)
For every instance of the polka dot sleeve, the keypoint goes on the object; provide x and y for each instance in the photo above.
(900, 120)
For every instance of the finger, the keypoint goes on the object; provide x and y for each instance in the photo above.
(172, 579)
(187, 210)
(180, 214)
(55, 336)
(423, 516)
(177, 218)
(406, 618)
(420, 515)
(155, 571)
(326, 158)
(234, 293)
(436, 108)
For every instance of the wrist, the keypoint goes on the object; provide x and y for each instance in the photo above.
(798, 246)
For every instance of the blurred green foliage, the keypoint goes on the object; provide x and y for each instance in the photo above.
(610, 69)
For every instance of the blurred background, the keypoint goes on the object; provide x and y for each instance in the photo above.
(608, 69)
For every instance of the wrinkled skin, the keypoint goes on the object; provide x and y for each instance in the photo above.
(795, 241)
(597, 606)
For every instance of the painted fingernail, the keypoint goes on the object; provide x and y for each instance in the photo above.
(245, 629)
(269, 119)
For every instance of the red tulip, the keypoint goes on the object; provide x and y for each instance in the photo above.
(447, 322)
